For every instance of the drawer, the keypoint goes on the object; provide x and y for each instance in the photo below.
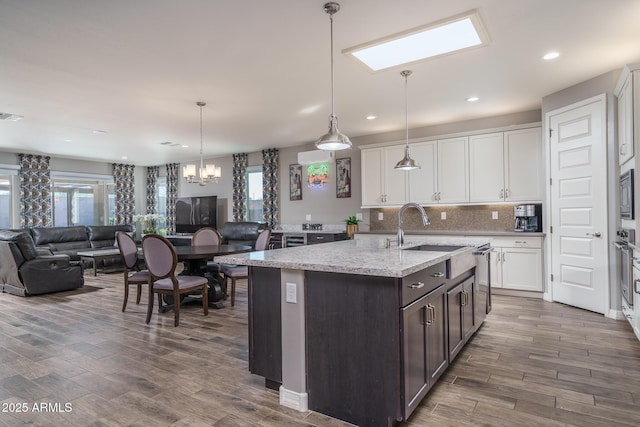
(516, 242)
(422, 282)
(313, 238)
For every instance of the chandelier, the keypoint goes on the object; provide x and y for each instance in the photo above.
(208, 173)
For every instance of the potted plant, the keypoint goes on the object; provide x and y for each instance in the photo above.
(352, 225)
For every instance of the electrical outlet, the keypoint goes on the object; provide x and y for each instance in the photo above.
(292, 296)
(359, 216)
(443, 215)
(307, 217)
(494, 215)
(380, 216)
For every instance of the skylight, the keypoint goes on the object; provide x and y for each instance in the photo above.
(436, 39)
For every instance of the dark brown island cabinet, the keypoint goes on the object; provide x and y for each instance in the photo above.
(373, 345)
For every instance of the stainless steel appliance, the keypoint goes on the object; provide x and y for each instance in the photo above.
(483, 281)
(528, 218)
(626, 195)
(626, 237)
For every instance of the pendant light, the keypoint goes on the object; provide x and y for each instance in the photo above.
(208, 173)
(407, 163)
(334, 139)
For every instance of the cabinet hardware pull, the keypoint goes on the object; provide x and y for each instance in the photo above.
(438, 274)
(506, 193)
(524, 242)
(635, 286)
(417, 285)
(432, 312)
(462, 299)
(502, 194)
(504, 258)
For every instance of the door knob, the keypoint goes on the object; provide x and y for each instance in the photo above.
(596, 234)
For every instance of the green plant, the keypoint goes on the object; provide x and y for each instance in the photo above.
(351, 220)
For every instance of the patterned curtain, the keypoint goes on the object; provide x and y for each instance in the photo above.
(35, 191)
(240, 161)
(270, 186)
(152, 187)
(125, 193)
(172, 195)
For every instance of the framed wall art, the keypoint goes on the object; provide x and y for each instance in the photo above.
(343, 177)
(295, 182)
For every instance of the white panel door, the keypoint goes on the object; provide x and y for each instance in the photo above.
(578, 207)
(486, 167)
(372, 180)
(453, 170)
(523, 165)
(395, 180)
(423, 182)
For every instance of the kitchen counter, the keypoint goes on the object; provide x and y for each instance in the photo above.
(368, 257)
(455, 233)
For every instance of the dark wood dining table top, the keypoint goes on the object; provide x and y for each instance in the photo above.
(204, 252)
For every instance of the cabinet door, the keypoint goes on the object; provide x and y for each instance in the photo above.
(423, 182)
(496, 268)
(522, 269)
(395, 187)
(454, 312)
(486, 168)
(625, 121)
(416, 376)
(523, 165)
(453, 170)
(437, 360)
(371, 173)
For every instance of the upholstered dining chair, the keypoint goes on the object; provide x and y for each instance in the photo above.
(235, 272)
(161, 259)
(133, 275)
(207, 236)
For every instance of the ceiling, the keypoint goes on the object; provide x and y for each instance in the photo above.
(135, 69)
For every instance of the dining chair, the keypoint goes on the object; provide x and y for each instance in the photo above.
(133, 275)
(235, 272)
(161, 259)
(207, 236)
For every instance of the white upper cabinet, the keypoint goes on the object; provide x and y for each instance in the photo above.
(453, 170)
(506, 166)
(423, 182)
(382, 185)
(625, 119)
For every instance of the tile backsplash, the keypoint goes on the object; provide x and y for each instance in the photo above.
(458, 218)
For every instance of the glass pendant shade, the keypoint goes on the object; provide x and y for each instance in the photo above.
(334, 139)
(208, 173)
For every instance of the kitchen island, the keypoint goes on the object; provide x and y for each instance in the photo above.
(358, 330)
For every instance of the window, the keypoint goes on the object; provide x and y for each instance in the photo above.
(5, 201)
(254, 193)
(82, 200)
(161, 199)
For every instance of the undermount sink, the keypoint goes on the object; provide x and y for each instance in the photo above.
(435, 248)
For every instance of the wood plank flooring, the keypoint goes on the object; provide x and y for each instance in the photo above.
(532, 363)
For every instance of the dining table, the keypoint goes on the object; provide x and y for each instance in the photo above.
(192, 258)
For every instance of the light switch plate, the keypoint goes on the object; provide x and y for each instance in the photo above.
(443, 215)
(494, 215)
(380, 216)
(292, 296)
(359, 216)
(307, 217)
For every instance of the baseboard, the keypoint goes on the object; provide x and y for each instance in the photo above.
(615, 314)
(294, 400)
(516, 293)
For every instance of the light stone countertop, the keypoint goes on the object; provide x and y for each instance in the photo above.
(457, 233)
(367, 257)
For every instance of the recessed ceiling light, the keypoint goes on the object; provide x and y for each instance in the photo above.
(185, 146)
(99, 132)
(551, 55)
(472, 99)
(439, 38)
(371, 117)
(124, 157)
(67, 140)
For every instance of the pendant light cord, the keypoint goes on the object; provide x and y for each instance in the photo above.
(406, 109)
(332, 96)
(201, 143)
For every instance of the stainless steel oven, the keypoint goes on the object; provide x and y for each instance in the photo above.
(625, 251)
(626, 195)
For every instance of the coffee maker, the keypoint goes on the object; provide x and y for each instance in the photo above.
(528, 218)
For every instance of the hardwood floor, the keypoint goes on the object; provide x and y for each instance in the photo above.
(532, 363)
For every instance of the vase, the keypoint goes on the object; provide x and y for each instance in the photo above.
(351, 229)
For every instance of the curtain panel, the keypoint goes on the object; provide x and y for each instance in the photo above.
(240, 162)
(152, 188)
(172, 195)
(35, 191)
(270, 186)
(125, 193)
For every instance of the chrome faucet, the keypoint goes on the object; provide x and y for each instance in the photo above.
(425, 220)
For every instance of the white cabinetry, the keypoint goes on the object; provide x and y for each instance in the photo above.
(516, 263)
(381, 183)
(453, 170)
(506, 166)
(626, 123)
(423, 182)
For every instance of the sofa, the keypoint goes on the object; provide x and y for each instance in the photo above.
(241, 233)
(27, 270)
(70, 240)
